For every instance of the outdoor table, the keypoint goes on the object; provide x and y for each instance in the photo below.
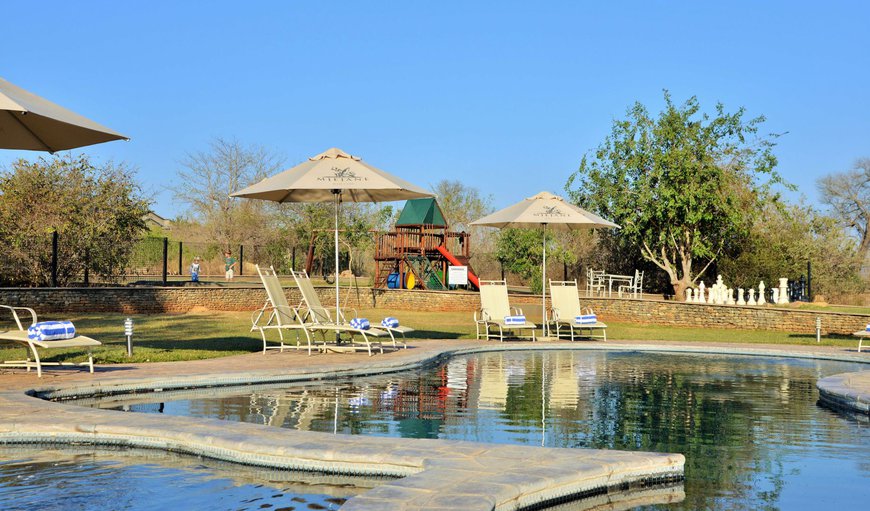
(628, 279)
(861, 335)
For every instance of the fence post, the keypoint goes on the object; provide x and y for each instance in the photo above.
(293, 259)
(809, 281)
(180, 270)
(54, 259)
(241, 259)
(165, 258)
(87, 265)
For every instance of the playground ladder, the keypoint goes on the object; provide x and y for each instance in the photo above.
(422, 268)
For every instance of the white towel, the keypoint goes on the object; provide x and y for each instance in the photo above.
(586, 319)
(360, 323)
(51, 331)
(514, 320)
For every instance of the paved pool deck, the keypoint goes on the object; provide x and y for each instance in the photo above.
(433, 474)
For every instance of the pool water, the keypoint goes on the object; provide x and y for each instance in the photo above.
(750, 427)
(52, 478)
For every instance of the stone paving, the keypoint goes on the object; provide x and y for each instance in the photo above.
(435, 474)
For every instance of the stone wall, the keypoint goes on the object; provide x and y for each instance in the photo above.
(155, 300)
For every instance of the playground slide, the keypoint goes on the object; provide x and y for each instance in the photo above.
(472, 278)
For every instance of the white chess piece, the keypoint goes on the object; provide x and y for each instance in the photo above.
(701, 297)
(783, 291)
(740, 300)
(761, 300)
(775, 295)
(689, 294)
(751, 300)
(729, 300)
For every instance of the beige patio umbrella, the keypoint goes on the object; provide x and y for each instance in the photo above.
(333, 176)
(547, 211)
(30, 122)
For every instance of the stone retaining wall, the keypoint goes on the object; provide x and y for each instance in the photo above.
(154, 300)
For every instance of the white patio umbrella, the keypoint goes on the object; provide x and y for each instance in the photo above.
(30, 122)
(547, 211)
(333, 176)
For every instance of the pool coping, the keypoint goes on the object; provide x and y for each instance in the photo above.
(436, 474)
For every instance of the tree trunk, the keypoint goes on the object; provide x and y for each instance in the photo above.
(680, 287)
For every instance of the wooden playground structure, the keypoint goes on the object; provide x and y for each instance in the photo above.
(417, 254)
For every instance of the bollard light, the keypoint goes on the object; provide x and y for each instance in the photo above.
(818, 330)
(128, 331)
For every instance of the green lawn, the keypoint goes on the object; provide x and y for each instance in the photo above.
(168, 337)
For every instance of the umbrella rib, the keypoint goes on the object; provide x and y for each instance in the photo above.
(17, 119)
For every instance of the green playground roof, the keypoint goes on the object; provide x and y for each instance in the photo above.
(422, 212)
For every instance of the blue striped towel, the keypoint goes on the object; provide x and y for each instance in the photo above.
(586, 319)
(51, 331)
(390, 322)
(360, 323)
(868, 328)
(514, 320)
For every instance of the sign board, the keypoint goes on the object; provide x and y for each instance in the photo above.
(457, 275)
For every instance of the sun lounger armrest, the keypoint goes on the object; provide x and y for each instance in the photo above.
(484, 315)
(554, 313)
(17, 319)
(517, 311)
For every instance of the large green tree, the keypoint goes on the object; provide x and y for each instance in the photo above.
(848, 195)
(684, 185)
(97, 211)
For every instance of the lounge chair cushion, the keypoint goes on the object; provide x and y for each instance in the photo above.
(51, 331)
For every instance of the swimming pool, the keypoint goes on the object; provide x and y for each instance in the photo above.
(106, 479)
(750, 427)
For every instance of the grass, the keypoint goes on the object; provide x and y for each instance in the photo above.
(192, 336)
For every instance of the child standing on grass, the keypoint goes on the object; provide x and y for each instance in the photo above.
(194, 270)
(229, 265)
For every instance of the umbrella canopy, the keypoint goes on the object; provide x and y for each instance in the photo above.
(550, 212)
(333, 176)
(318, 178)
(30, 122)
(544, 208)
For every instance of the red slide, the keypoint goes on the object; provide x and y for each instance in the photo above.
(472, 278)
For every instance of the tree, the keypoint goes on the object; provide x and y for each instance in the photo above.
(521, 252)
(97, 212)
(461, 204)
(206, 182)
(848, 195)
(683, 186)
(783, 239)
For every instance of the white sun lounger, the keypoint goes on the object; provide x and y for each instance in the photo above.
(565, 300)
(494, 308)
(315, 313)
(19, 336)
(278, 314)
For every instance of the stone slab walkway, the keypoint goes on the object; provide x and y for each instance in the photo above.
(435, 474)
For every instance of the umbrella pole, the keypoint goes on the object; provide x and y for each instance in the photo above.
(337, 194)
(544, 286)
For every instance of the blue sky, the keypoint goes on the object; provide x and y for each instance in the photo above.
(504, 96)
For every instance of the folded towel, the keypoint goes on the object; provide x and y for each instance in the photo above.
(51, 331)
(390, 322)
(868, 328)
(360, 323)
(586, 319)
(514, 320)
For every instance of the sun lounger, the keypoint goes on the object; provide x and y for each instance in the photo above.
(496, 314)
(566, 311)
(20, 337)
(278, 314)
(316, 313)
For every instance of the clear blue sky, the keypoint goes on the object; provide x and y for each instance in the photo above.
(504, 96)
